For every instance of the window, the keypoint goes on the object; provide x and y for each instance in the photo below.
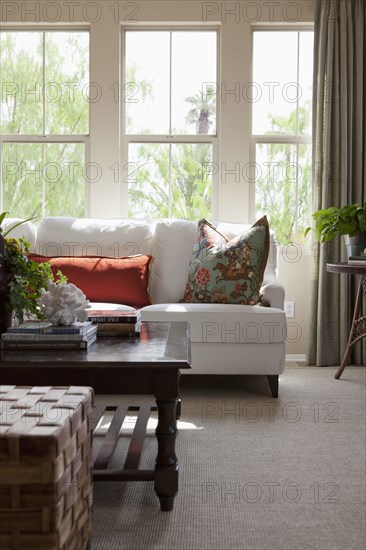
(281, 129)
(170, 121)
(44, 122)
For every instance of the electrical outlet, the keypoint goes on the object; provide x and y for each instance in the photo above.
(290, 309)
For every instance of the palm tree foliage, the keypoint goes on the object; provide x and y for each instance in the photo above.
(203, 111)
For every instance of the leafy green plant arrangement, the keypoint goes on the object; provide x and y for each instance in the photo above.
(26, 277)
(347, 220)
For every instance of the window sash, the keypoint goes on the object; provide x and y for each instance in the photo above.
(257, 139)
(212, 139)
(273, 28)
(169, 29)
(44, 138)
(46, 29)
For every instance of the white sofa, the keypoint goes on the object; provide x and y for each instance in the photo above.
(226, 339)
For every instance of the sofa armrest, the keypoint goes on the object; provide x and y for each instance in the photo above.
(274, 294)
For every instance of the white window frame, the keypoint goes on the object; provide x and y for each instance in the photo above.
(46, 138)
(212, 139)
(257, 139)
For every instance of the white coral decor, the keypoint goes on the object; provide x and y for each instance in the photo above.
(63, 303)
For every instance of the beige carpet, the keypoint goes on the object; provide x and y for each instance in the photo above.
(256, 473)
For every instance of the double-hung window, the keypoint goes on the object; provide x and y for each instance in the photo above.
(44, 121)
(281, 129)
(170, 121)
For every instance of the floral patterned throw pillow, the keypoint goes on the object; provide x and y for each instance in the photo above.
(228, 272)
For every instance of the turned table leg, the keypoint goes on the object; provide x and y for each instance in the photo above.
(166, 469)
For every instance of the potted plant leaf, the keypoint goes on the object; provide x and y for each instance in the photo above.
(348, 220)
(21, 279)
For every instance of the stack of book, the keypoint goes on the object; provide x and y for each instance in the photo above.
(43, 335)
(357, 260)
(116, 323)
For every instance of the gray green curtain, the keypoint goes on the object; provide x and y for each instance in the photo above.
(339, 162)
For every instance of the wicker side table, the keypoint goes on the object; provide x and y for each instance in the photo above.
(45, 467)
(358, 327)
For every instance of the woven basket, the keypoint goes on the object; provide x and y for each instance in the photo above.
(45, 467)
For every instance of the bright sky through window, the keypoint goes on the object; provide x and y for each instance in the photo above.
(282, 75)
(171, 67)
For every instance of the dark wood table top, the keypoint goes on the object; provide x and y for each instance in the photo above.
(163, 344)
(344, 267)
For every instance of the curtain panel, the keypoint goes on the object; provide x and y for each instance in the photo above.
(339, 167)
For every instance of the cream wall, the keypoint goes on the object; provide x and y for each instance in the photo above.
(108, 197)
(294, 274)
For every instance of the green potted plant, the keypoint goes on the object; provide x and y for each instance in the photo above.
(21, 279)
(348, 220)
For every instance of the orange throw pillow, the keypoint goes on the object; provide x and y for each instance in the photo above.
(114, 280)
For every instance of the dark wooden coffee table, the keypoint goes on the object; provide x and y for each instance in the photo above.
(149, 364)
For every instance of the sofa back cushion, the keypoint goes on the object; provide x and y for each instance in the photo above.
(174, 240)
(26, 231)
(115, 238)
(172, 250)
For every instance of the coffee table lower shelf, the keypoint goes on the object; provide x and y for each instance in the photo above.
(165, 481)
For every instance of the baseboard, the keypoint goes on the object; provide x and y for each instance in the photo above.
(295, 357)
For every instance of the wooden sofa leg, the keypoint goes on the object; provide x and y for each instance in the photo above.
(273, 384)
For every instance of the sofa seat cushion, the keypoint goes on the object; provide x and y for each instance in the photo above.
(109, 306)
(223, 323)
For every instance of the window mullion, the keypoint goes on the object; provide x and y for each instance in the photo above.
(44, 83)
(298, 81)
(43, 191)
(297, 192)
(55, 138)
(281, 138)
(170, 81)
(182, 138)
(170, 181)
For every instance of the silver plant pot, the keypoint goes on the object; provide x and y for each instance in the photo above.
(355, 245)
